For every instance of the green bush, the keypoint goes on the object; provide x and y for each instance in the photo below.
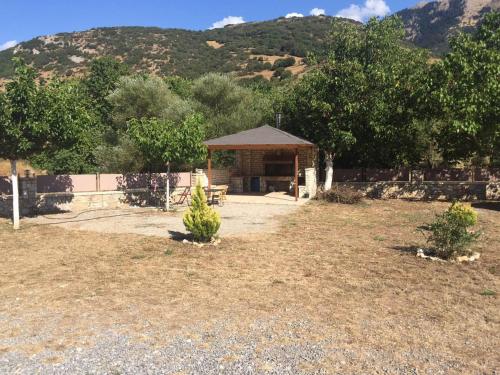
(450, 232)
(340, 194)
(200, 220)
(284, 63)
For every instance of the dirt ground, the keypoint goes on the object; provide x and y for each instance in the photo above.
(343, 279)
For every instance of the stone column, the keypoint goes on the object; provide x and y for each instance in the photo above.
(28, 199)
(200, 177)
(311, 182)
(416, 176)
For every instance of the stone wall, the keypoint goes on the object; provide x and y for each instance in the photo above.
(428, 190)
(32, 203)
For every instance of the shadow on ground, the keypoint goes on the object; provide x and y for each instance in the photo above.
(494, 206)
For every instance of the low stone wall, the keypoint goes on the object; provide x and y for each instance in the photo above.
(467, 191)
(57, 202)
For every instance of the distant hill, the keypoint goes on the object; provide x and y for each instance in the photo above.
(430, 23)
(246, 49)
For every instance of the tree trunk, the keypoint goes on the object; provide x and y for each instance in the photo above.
(329, 170)
(167, 189)
(15, 194)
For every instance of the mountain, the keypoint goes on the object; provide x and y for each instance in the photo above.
(247, 49)
(430, 24)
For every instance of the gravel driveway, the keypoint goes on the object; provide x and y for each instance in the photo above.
(237, 219)
(271, 345)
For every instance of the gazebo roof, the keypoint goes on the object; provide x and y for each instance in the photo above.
(265, 137)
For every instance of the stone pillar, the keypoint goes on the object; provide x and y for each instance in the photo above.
(311, 182)
(417, 176)
(200, 177)
(28, 199)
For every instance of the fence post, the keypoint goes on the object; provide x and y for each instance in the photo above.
(97, 182)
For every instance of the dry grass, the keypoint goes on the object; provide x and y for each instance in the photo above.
(348, 268)
(21, 167)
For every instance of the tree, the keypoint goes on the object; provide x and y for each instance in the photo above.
(167, 141)
(21, 132)
(138, 97)
(201, 219)
(74, 126)
(146, 97)
(101, 80)
(229, 107)
(361, 105)
(465, 94)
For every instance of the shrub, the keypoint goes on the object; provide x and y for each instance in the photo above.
(202, 221)
(340, 194)
(283, 63)
(450, 232)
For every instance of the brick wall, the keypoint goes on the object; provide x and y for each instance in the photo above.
(251, 162)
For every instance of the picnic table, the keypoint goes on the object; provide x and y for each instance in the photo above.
(216, 194)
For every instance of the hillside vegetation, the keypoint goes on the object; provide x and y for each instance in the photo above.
(243, 49)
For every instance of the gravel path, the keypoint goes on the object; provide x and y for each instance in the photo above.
(268, 346)
(237, 219)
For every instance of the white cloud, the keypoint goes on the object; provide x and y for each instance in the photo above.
(317, 12)
(9, 44)
(371, 8)
(231, 20)
(294, 14)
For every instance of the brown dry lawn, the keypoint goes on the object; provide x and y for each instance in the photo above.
(349, 269)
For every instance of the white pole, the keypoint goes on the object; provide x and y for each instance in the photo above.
(15, 194)
(168, 186)
(329, 170)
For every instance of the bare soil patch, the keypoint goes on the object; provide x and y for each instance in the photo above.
(214, 44)
(347, 270)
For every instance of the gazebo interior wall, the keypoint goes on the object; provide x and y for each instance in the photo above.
(253, 162)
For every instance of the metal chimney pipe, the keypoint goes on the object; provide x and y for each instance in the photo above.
(278, 120)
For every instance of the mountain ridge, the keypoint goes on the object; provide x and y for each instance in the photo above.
(246, 50)
(429, 24)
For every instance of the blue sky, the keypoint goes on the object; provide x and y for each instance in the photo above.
(21, 20)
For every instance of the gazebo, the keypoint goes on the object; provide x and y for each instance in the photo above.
(267, 159)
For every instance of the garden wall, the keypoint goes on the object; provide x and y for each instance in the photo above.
(42, 194)
(431, 184)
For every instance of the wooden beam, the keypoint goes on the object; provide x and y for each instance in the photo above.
(296, 174)
(209, 172)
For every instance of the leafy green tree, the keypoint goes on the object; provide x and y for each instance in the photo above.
(122, 157)
(74, 126)
(167, 141)
(21, 133)
(229, 107)
(361, 105)
(465, 94)
(101, 80)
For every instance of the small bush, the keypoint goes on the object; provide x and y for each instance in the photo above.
(202, 221)
(340, 194)
(450, 232)
(283, 63)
